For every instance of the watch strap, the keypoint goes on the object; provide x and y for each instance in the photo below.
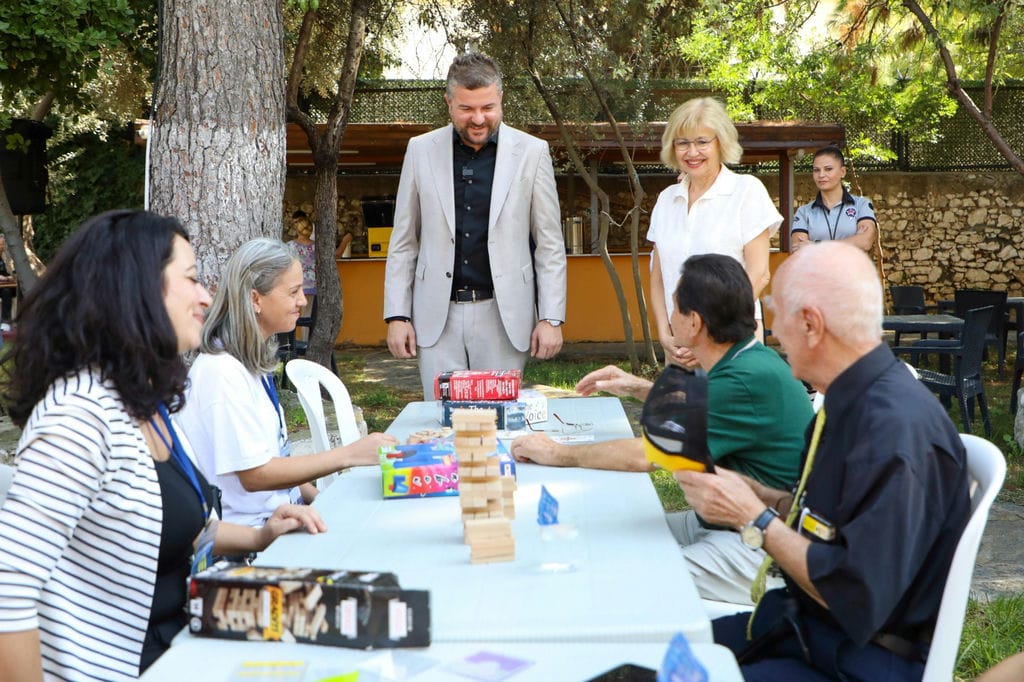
(762, 521)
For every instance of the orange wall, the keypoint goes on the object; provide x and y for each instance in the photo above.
(592, 313)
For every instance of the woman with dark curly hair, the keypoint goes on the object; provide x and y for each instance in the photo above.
(92, 571)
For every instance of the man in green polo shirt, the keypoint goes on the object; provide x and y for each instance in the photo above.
(757, 415)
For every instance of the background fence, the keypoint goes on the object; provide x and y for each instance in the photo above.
(959, 143)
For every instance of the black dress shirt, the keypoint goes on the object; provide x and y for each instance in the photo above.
(473, 172)
(891, 475)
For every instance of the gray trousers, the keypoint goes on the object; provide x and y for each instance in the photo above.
(473, 338)
(722, 567)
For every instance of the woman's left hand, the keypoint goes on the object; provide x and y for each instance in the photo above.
(291, 517)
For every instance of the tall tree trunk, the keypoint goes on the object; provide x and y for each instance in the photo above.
(218, 134)
(27, 265)
(20, 251)
(325, 143)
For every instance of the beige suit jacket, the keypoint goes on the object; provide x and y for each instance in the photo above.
(524, 204)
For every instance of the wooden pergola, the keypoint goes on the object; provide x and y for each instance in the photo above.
(380, 147)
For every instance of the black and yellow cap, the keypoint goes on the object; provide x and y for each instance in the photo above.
(674, 421)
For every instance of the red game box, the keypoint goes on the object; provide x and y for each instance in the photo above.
(471, 384)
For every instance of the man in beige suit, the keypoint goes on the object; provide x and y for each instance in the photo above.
(476, 265)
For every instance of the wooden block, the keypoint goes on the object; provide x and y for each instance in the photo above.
(511, 556)
(476, 449)
(464, 419)
(473, 503)
(473, 455)
(476, 441)
(472, 472)
(487, 528)
(313, 598)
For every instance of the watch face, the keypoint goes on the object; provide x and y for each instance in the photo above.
(752, 536)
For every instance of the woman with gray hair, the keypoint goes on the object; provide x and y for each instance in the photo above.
(710, 210)
(232, 414)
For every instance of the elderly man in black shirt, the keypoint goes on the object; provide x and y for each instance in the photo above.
(882, 502)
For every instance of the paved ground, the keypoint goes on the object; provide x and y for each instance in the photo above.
(1000, 565)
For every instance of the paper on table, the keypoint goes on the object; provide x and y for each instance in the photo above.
(489, 666)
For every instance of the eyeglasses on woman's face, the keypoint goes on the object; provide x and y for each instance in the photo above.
(701, 144)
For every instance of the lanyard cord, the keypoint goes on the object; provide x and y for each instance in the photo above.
(268, 386)
(757, 589)
(834, 228)
(178, 453)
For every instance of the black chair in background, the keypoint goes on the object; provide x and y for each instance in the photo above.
(968, 299)
(965, 383)
(908, 300)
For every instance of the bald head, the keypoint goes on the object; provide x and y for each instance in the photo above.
(840, 281)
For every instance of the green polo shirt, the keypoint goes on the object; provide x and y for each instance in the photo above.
(757, 415)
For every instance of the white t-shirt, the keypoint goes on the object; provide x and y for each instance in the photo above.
(233, 426)
(734, 210)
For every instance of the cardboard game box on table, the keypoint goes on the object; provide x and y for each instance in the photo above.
(353, 609)
(474, 384)
(429, 469)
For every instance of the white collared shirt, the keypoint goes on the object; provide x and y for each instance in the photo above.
(734, 211)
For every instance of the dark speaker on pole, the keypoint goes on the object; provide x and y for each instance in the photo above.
(23, 165)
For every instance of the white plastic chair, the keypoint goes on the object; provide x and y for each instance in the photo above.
(308, 377)
(987, 469)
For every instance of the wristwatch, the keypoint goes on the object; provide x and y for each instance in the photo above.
(752, 533)
(554, 323)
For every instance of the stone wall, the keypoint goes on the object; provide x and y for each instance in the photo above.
(942, 231)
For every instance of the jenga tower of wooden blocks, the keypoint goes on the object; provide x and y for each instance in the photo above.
(482, 495)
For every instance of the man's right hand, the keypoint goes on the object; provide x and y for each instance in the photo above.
(614, 380)
(540, 449)
(401, 339)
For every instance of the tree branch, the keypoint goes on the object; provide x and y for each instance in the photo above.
(990, 62)
(43, 106)
(956, 89)
(295, 114)
(342, 106)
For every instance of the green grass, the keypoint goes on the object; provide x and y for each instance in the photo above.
(992, 630)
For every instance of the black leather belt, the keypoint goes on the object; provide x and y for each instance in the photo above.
(471, 295)
(904, 648)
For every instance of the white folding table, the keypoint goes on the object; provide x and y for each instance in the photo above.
(195, 658)
(630, 582)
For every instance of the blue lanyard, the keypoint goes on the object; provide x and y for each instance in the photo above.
(178, 453)
(268, 386)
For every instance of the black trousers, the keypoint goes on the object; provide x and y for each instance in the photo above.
(833, 655)
(7, 295)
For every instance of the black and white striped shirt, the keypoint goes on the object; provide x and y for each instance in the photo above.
(80, 533)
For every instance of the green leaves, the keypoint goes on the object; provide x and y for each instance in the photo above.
(56, 44)
(304, 5)
(16, 142)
